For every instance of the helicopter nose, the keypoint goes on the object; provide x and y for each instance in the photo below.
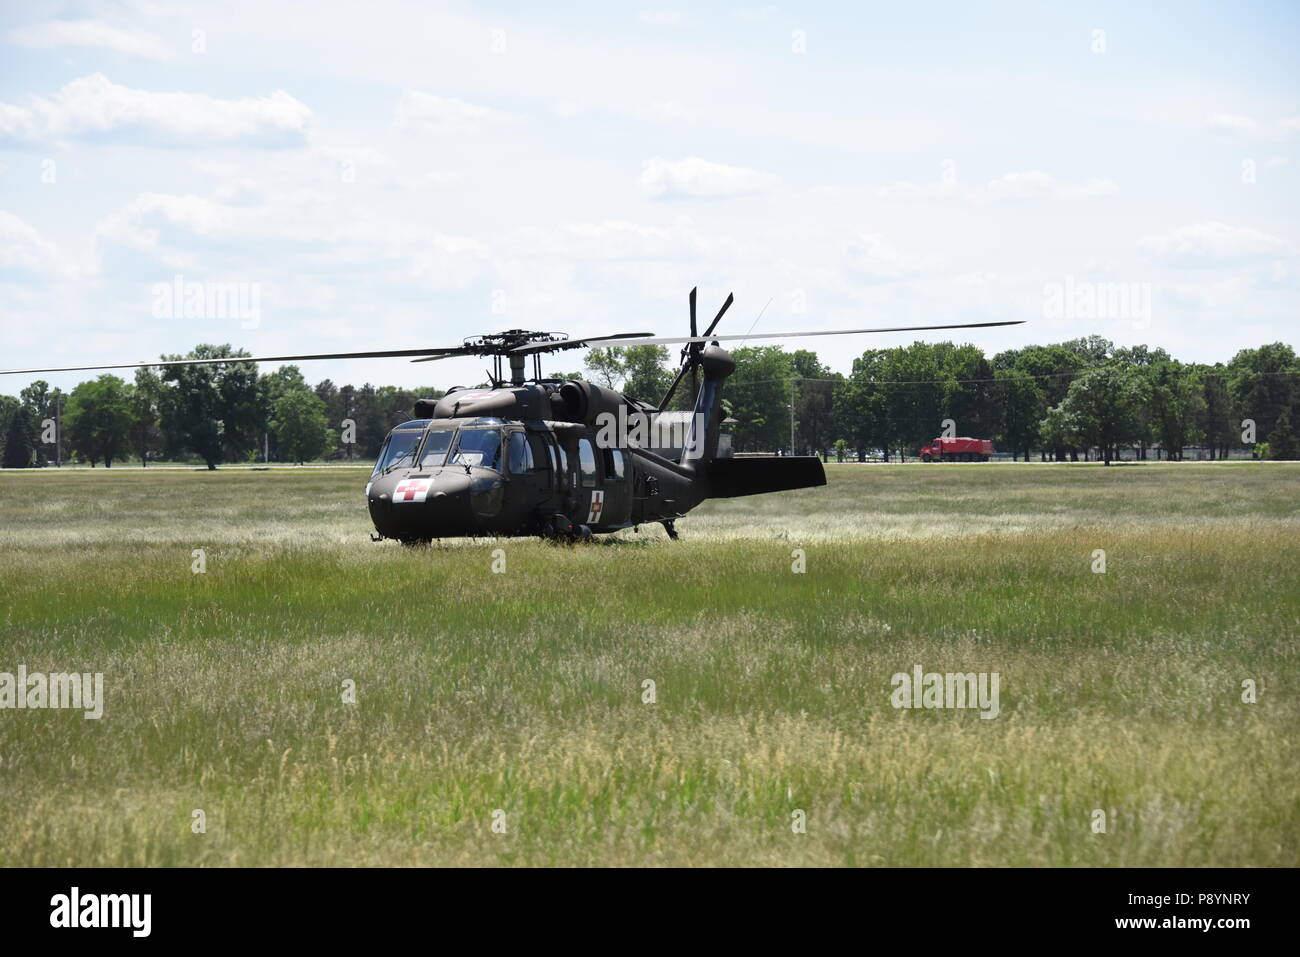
(421, 505)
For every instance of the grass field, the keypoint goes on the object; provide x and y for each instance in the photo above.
(522, 691)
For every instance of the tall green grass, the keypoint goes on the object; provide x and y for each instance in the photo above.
(523, 691)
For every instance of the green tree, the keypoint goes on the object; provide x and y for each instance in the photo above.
(202, 399)
(98, 419)
(859, 405)
(1282, 443)
(1104, 404)
(145, 402)
(1020, 401)
(1217, 421)
(645, 375)
(814, 401)
(301, 430)
(16, 446)
(605, 367)
(758, 394)
(1176, 407)
(916, 396)
(1263, 383)
(37, 405)
(1059, 430)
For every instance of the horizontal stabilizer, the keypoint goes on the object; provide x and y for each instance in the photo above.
(732, 477)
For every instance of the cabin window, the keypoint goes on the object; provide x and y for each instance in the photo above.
(540, 455)
(521, 454)
(559, 462)
(614, 463)
(587, 463)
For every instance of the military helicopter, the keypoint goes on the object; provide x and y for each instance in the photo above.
(561, 459)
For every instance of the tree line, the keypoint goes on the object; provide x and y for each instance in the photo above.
(1081, 398)
(213, 414)
(1084, 397)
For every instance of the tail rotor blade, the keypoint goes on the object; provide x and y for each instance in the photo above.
(718, 318)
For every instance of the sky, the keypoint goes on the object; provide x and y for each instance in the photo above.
(332, 177)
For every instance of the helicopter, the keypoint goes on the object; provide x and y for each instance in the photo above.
(563, 459)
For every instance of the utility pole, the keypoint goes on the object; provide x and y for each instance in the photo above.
(792, 383)
(58, 438)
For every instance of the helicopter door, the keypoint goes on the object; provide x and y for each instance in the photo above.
(617, 486)
(529, 467)
(591, 498)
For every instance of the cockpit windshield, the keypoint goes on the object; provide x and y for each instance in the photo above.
(435, 448)
(398, 448)
(480, 447)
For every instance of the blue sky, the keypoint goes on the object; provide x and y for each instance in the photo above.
(400, 174)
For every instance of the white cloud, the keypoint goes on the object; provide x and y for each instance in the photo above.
(660, 18)
(430, 179)
(438, 113)
(673, 112)
(168, 228)
(1035, 184)
(1030, 184)
(89, 33)
(1231, 122)
(697, 177)
(1203, 243)
(975, 279)
(95, 107)
(877, 258)
(23, 249)
(907, 189)
(620, 240)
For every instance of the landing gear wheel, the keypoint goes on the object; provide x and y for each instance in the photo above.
(582, 533)
(670, 526)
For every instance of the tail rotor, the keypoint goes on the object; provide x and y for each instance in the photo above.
(691, 351)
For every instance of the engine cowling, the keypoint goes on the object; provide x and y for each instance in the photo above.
(583, 402)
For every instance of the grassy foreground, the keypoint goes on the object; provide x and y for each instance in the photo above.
(522, 691)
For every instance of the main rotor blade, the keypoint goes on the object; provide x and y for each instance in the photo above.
(622, 338)
(671, 340)
(381, 354)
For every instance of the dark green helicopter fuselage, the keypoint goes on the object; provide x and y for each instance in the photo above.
(537, 459)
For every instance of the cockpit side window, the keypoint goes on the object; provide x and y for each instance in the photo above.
(480, 447)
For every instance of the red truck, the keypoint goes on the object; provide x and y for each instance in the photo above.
(957, 450)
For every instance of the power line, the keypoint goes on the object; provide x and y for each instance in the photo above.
(1044, 375)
